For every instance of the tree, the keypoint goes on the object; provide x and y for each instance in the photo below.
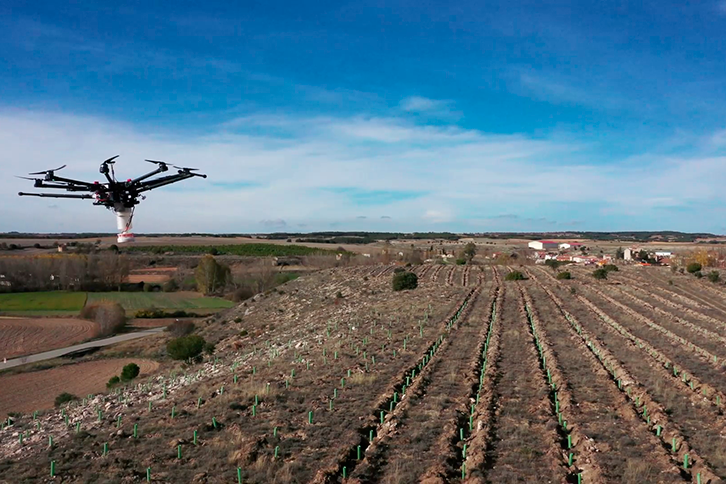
(405, 280)
(620, 254)
(564, 275)
(552, 264)
(514, 276)
(600, 274)
(110, 316)
(714, 276)
(211, 276)
(130, 371)
(185, 347)
(469, 251)
(693, 267)
(610, 267)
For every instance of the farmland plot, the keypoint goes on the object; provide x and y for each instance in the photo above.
(23, 336)
(336, 378)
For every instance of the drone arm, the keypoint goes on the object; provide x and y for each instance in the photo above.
(54, 195)
(72, 182)
(70, 188)
(167, 180)
(161, 169)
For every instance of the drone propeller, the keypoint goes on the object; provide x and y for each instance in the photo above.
(160, 163)
(111, 160)
(182, 168)
(26, 177)
(47, 171)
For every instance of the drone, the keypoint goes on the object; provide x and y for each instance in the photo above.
(121, 197)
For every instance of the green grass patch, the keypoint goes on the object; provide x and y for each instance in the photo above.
(42, 301)
(252, 250)
(134, 301)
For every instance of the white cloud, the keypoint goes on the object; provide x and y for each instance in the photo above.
(272, 178)
(418, 104)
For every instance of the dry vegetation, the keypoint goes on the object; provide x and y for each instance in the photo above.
(468, 378)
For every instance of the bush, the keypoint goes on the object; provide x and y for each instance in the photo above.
(148, 287)
(64, 397)
(170, 286)
(242, 293)
(515, 276)
(460, 261)
(552, 264)
(564, 275)
(698, 274)
(114, 380)
(714, 276)
(209, 347)
(180, 328)
(110, 316)
(185, 347)
(600, 274)
(693, 267)
(610, 267)
(130, 372)
(158, 314)
(399, 270)
(405, 280)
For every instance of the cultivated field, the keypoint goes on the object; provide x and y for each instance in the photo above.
(22, 336)
(469, 378)
(133, 301)
(37, 390)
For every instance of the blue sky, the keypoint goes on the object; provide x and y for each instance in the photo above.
(402, 115)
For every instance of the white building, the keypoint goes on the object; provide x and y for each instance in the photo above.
(628, 253)
(542, 245)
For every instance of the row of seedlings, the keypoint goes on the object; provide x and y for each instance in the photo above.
(389, 402)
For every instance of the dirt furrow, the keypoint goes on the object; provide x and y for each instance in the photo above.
(435, 273)
(416, 439)
(682, 290)
(696, 425)
(524, 443)
(607, 426)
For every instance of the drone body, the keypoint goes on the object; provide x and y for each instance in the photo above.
(119, 196)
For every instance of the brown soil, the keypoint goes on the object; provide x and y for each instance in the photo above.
(37, 391)
(24, 336)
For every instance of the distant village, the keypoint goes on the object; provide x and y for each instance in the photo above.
(576, 252)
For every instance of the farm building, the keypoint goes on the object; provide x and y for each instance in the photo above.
(542, 245)
(569, 245)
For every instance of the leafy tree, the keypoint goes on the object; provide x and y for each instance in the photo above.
(600, 274)
(693, 267)
(564, 275)
(185, 347)
(114, 380)
(130, 371)
(714, 276)
(211, 276)
(405, 280)
(552, 264)
(610, 267)
(469, 251)
(515, 276)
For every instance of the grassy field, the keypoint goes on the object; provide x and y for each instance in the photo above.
(70, 303)
(133, 301)
(43, 301)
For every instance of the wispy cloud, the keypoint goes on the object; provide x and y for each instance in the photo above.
(312, 177)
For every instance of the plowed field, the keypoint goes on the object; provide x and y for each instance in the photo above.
(335, 378)
(24, 336)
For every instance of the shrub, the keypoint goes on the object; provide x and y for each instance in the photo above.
(114, 380)
(405, 280)
(185, 347)
(64, 397)
(714, 276)
(610, 267)
(130, 372)
(209, 347)
(399, 270)
(515, 276)
(110, 316)
(693, 267)
(242, 293)
(698, 274)
(170, 286)
(552, 264)
(180, 328)
(460, 261)
(600, 274)
(564, 275)
(148, 287)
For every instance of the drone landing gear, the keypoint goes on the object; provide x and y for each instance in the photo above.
(124, 218)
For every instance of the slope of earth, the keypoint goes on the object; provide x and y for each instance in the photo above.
(28, 392)
(300, 374)
(24, 336)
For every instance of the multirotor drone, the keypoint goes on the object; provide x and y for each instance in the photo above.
(119, 196)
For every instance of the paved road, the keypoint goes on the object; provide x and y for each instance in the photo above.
(49, 355)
